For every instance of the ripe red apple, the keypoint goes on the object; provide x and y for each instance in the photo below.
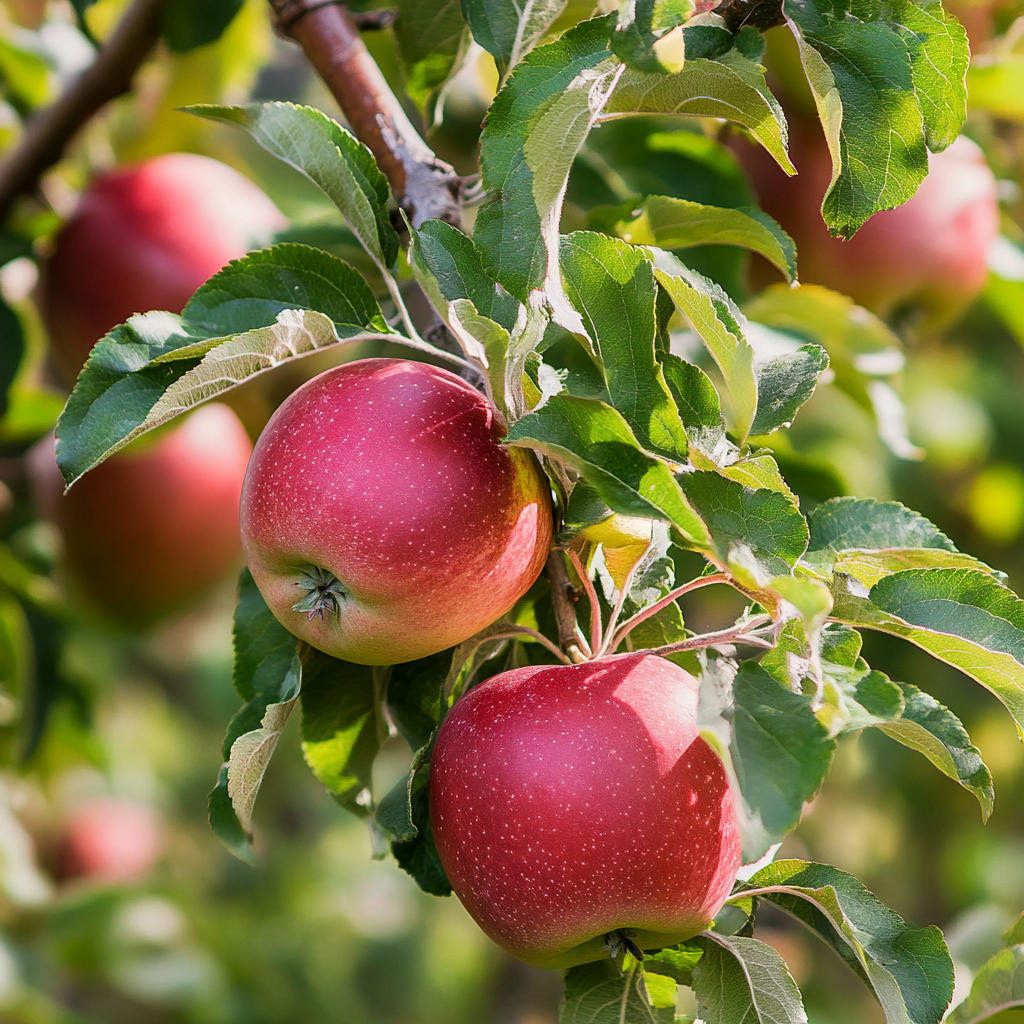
(153, 527)
(926, 259)
(110, 841)
(569, 802)
(382, 518)
(146, 237)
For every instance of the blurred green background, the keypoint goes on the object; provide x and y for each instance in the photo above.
(319, 931)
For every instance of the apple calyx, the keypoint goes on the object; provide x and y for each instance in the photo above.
(323, 593)
(619, 942)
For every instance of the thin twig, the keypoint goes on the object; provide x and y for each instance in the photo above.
(596, 637)
(627, 583)
(735, 634)
(516, 631)
(646, 613)
(565, 610)
(109, 76)
(426, 187)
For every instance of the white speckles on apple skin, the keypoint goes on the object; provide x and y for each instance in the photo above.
(391, 475)
(569, 801)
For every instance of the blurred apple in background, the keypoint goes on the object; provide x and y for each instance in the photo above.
(924, 261)
(156, 525)
(110, 840)
(142, 238)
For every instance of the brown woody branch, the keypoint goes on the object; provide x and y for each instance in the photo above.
(110, 75)
(426, 187)
(563, 599)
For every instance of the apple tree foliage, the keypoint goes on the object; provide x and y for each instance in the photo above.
(647, 393)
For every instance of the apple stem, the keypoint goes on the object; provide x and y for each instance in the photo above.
(516, 631)
(323, 593)
(743, 634)
(608, 647)
(596, 635)
(562, 597)
(646, 613)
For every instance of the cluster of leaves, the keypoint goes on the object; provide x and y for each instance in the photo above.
(641, 432)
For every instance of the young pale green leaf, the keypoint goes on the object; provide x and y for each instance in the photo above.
(762, 522)
(510, 29)
(340, 731)
(717, 320)
(266, 675)
(784, 384)
(679, 223)
(862, 78)
(611, 284)
(448, 266)
(933, 730)
(600, 993)
(757, 471)
(909, 969)
(998, 987)
(1014, 936)
(432, 39)
(534, 130)
(963, 617)
(596, 441)
(273, 305)
(780, 753)
(331, 157)
(649, 34)
(730, 86)
(187, 24)
(251, 752)
(697, 402)
(743, 979)
(485, 343)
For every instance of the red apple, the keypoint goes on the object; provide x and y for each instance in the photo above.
(110, 841)
(382, 518)
(569, 802)
(146, 237)
(926, 259)
(153, 527)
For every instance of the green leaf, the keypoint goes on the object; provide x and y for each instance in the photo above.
(862, 77)
(286, 301)
(26, 75)
(717, 320)
(996, 85)
(730, 86)
(611, 284)
(1015, 935)
(418, 855)
(510, 29)
(697, 401)
(742, 979)
(263, 647)
(963, 617)
(933, 730)
(679, 223)
(780, 753)
(331, 157)
(191, 23)
(599, 993)
(486, 343)
(999, 986)
(644, 38)
(909, 969)
(340, 731)
(596, 441)
(449, 266)
(224, 822)
(534, 129)
(864, 524)
(432, 39)
(416, 697)
(762, 522)
(784, 383)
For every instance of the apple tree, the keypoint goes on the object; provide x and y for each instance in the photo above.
(597, 323)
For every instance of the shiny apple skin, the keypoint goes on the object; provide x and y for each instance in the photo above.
(927, 258)
(146, 237)
(155, 526)
(390, 474)
(570, 801)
